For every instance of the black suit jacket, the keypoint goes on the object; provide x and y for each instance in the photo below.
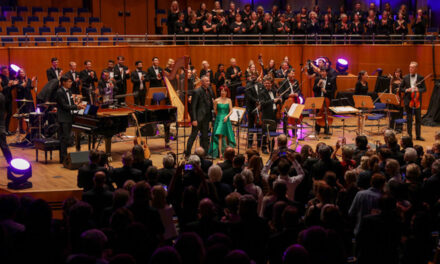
(86, 174)
(137, 82)
(201, 108)
(330, 87)
(87, 81)
(286, 86)
(121, 77)
(152, 77)
(6, 87)
(75, 85)
(406, 83)
(120, 175)
(50, 73)
(251, 95)
(230, 71)
(267, 104)
(64, 112)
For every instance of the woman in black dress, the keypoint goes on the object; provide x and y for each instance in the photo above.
(362, 84)
(356, 28)
(209, 28)
(395, 82)
(173, 16)
(238, 27)
(220, 77)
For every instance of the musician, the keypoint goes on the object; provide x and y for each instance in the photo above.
(206, 70)
(220, 77)
(6, 83)
(268, 102)
(382, 82)
(122, 74)
(411, 84)
(65, 105)
(271, 69)
(283, 71)
(395, 82)
(54, 72)
(24, 86)
(139, 79)
(324, 86)
(74, 76)
(88, 78)
(155, 74)
(201, 107)
(361, 87)
(292, 85)
(252, 98)
(234, 73)
(106, 88)
(110, 69)
(3, 131)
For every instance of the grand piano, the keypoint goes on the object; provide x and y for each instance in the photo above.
(109, 122)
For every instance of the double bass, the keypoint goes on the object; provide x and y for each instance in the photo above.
(325, 119)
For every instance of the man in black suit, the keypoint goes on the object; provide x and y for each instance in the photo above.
(54, 72)
(412, 82)
(292, 85)
(126, 172)
(3, 144)
(155, 74)
(325, 86)
(233, 73)
(201, 107)
(122, 74)
(74, 76)
(139, 79)
(106, 88)
(7, 87)
(268, 102)
(87, 171)
(251, 95)
(88, 78)
(110, 69)
(65, 105)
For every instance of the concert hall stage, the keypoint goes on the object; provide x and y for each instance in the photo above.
(54, 183)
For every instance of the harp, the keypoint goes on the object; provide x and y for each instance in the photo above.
(182, 107)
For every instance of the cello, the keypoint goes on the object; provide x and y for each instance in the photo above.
(325, 120)
(288, 103)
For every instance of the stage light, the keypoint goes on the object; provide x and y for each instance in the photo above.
(301, 99)
(15, 68)
(19, 172)
(342, 66)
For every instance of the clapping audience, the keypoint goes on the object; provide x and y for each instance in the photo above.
(308, 207)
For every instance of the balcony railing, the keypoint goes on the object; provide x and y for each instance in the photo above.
(204, 39)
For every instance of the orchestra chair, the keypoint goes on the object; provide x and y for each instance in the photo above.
(239, 96)
(40, 40)
(93, 20)
(22, 11)
(74, 30)
(105, 30)
(87, 40)
(32, 19)
(53, 11)
(48, 20)
(7, 40)
(84, 12)
(54, 41)
(91, 30)
(72, 40)
(401, 121)
(28, 30)
(12, 29)
(63, 20)
(37, 11)
(378, 115)
(102, 40)
(68, 11)
(46, 144)
(16, 19)
(78, 20)
(158, 98)
(44, 30)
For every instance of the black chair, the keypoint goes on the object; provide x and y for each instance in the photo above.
(46, 144)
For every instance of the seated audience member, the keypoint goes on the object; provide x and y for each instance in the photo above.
(166, 212)
(98, 197)
(221, 189)
(367, 200)
(126, 172)
(236, 168)
(204, 163)
(166, 173)
(87, 171)
(139, 160)
(228, 156)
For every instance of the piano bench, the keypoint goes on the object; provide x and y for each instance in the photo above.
(46, 144)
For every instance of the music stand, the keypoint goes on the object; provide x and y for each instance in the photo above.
(313, 103)
(362, 102)
(295, 111)
(389, 99)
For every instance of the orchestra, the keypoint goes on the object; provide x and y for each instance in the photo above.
(268, 100)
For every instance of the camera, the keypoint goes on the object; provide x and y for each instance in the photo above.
(189, 167)
(282, 154)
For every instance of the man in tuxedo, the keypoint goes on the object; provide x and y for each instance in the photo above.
(268, 102)
(122, 73)
(234, 74)
(325, 86)
(201, 107)
(283, 71)
(139, 79)
(74, 76)
(3, 144)
(88, 78)
(7, 88)
(252, 94)
(155, 74)
(293, 90)
(110, 69)
(412, 82)
(65, 106)
(54, 72)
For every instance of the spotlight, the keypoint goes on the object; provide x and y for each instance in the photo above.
(15, 68)
(342, 66)
(301, 99)
(19, 172)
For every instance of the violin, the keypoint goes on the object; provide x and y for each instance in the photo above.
(415, 95)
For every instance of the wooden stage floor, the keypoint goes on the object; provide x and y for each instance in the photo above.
(54, 183)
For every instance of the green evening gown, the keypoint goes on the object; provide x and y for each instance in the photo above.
(222, 128)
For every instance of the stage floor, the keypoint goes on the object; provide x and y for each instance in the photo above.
(54, 183)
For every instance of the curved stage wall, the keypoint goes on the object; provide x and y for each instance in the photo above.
(36, 60)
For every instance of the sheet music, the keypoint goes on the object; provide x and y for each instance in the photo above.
(235, 113)
(344, 109)
(292, 110)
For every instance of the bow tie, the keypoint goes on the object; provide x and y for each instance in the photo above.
(413, 75)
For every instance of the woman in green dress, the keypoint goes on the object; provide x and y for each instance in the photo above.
(223, 133)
